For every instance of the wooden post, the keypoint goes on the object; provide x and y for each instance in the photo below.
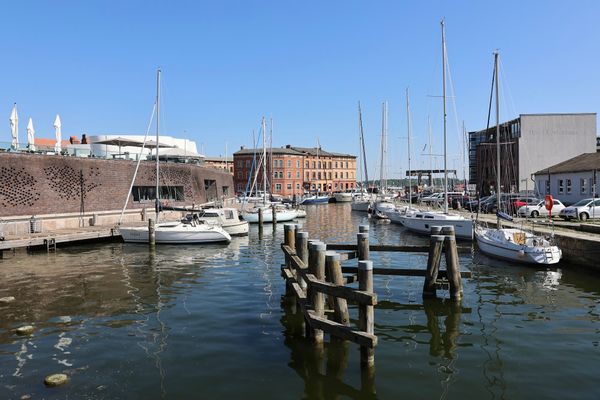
(151, 232)
(302, 253)
(317, 268)
(362, 247)
(452, 263)
(260, 219)
(274, 213)
(436, 243)
(363, 228)
(289, 231)
(340, 305)
(366, 313)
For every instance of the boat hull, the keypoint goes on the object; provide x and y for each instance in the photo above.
(360, 205)
(176, 234)
(343, 197)
(463, 228)
(315, 200)
(282, 216)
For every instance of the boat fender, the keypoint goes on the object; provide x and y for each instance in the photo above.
(521, 253)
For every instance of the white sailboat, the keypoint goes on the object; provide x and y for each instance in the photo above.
(421, 222)
(228, 218)
(176, 232)
(512, 244)
(383, 202)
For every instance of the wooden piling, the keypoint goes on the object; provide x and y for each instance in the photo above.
(362, 249)
(274, 213)
(302, 253)
(366, 313)
(436, 243)
(340, 305)
(317, 268)
(452, 263)
(363, 229)
(260, 219)
(289, 232)
(151, 232)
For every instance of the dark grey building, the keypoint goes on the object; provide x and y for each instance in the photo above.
(529, 143)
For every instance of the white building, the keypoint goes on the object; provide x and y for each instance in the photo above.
(571, 180)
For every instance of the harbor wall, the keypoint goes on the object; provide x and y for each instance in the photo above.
(35, 184)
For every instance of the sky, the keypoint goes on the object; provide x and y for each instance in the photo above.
(305, 64)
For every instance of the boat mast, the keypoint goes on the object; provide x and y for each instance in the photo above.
(157, 205)
(264, 132)
(408, 127)
(444, 102)
(362, 143)
(498, 183)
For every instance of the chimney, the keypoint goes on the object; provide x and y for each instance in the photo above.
(242, 147)
(288, 146)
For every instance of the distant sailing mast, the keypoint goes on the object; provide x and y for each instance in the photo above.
(409, 129)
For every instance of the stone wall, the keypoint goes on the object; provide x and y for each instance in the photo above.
(34, 184)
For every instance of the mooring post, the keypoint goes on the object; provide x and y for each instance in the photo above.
(366, 313)
(363, 228)
(274, 213)
(436, 242)
(302, 253)
(316, 266)
(151, 232)
(289, 231)
(452, 263)
(340, 305)
(260, 219)
(362, 245)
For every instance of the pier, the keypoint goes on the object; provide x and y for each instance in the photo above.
(317, 285)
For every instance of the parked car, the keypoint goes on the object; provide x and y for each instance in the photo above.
(473, 204)
(582, 210)
(516, 203)
(538, 209)
(434, 198)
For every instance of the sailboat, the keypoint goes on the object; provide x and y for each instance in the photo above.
(421, 222)
(251, 215)
(176, 232)
(383, 202)
(361, 200)
(512, 244)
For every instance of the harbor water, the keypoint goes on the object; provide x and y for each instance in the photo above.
(124, 322)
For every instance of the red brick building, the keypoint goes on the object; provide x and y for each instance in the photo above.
(294, 170)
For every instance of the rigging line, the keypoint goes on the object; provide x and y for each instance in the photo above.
(506, 89)
(137, 165)
(459, 134)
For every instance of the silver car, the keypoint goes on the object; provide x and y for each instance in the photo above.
(538, 209)
(583, 209)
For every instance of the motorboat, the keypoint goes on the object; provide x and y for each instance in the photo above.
(227, 218)
(422, 221)
(343, 197)
(315, 199)
(282, 214)
(176, 232)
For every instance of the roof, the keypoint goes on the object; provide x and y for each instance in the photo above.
(274, 150)
(583, 162)
(296, 151)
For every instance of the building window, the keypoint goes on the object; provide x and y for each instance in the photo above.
(225, 190)
(289, 174)
(297, 163)
(297, 186)
(210, 188)
(583, 182)
(319, 176)
(307, 164)
(346, 174)
(297, 174)
(329, 174)
(319, 164)
(314, 176)
(289, 163)
(239, 174)
(561, 187)
(289, 186)
(148, 193)
(336, 164)
(278, 187)
(336, 185)
(247, 163)
(239, 164)
(307, 175)
(329, 163)
(314, 164)
(568, 186)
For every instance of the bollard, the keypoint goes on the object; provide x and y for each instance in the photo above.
(289, 235)
(362, 247)
(453, 267)
(274, 214)
(302, 253)
(151, 232)
(260, 219)
(363, 229)
(340, 305)
(366, 314)
(433, 264)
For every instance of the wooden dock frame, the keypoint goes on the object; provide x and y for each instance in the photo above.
(313, 270)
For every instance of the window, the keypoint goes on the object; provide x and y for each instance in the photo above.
(210, 187)
(289, 186)
(297, 163)
(297, 186)
(568, 186)
(145, 194)
(307, 175)
(346, 164)
(247, 163)
(297, 174)
(319, 175)
(336, 164)
(274, 163)
(306, 164)
(239, 163)
(289, 174)
(225, 190)
(561, 188)
(329, 174)
(583, 185)
(329, 164)
(314, 164)
(346, 174)
(336, 175)
(289, 163)
(336, 185)
(314, 176)
(319, 164)
(278, 187)
(239, 174)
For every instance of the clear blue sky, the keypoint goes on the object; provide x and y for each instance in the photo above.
(306, 63)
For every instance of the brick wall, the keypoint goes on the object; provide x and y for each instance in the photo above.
(33, 184)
